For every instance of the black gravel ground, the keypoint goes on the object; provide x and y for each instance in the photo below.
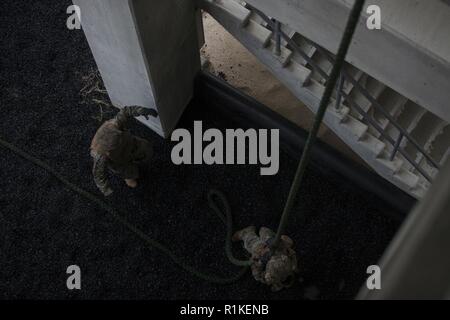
(44, 227)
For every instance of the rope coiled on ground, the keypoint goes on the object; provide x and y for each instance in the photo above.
(118, 216)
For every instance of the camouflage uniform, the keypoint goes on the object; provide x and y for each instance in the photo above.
(275, 267)
(115, 148)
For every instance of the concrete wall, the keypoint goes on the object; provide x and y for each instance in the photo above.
(147, 53)
(410, 54)
(416, 263)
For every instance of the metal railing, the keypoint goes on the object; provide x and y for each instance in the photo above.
(275, 26)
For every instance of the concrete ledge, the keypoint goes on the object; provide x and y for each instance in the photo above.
(410, 54)
(147, 53)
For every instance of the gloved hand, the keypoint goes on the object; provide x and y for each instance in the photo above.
(149, 112)
(135, 111)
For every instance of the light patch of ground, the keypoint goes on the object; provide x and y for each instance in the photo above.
(231, 61)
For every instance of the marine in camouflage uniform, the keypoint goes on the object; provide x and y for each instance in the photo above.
(275, 267)
(115, 148)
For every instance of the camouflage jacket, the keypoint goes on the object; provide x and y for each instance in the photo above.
(113, 144)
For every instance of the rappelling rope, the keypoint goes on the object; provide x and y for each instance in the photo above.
(119, 216)
(337, 66)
